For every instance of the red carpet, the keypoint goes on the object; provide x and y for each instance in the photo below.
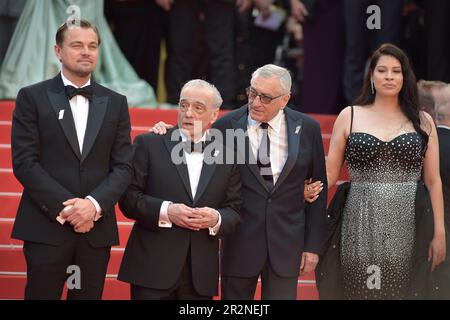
(12, 262)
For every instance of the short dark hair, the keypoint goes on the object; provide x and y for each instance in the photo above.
(82, 23)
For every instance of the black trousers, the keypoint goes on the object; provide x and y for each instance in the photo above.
(184, 25)
(182, 290)
(273, 287)
(360, 41)
(139, 27)
(47, 269)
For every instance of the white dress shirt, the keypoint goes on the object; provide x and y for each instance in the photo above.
(277, 132)
(79, 106)
(194, 162)
(442, 126)
(80, 111)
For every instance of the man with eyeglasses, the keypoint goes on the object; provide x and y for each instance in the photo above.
(182, 201)
(280, 235)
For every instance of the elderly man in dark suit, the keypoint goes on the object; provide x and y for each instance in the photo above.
(280, 235)
(183, 198)
(72, 152)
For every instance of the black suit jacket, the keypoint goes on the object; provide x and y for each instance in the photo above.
(277, 225)
(444, 147)
(154, 256)
(48, 163)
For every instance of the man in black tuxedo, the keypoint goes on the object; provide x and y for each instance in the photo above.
(72, 152)
(280, 235)
(183, 198)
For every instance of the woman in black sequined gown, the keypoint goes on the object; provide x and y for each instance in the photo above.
(388, 145)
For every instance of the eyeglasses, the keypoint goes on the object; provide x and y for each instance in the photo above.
(252, 94)
(196, 108)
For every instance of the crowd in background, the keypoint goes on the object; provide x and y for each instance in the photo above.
(324, 43)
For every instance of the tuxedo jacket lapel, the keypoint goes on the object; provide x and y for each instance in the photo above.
(97, 110)
(294, 130)
(182, 167)
(63, 112)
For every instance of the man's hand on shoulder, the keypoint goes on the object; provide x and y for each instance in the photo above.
(160, 128)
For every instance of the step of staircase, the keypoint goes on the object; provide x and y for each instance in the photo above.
(6, 226)
(5, 156)
(12, 262)
(12, 286)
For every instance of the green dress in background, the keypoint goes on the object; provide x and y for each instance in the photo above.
(30, 57)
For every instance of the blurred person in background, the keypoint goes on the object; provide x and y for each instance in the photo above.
(217, 18)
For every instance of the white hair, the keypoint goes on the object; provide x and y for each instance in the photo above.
(271, 70)
(202, 84)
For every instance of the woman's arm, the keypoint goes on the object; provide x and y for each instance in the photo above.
(335, 157)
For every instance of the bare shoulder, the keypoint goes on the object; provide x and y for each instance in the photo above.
(345, 114)
(341, 127)
(344, 118)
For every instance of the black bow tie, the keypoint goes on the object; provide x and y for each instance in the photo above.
(86, 92)
(190, 146)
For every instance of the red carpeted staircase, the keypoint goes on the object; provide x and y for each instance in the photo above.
(12, 262)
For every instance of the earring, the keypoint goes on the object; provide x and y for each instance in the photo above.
(372, 86)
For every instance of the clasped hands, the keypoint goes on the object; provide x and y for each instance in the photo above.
(192, 218)
(80, 213)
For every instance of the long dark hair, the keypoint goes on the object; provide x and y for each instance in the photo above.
(408, 96)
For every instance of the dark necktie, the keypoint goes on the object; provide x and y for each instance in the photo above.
(86, 92)
(263, 160)
(190, 146)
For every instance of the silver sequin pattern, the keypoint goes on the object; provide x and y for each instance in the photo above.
(378, 223)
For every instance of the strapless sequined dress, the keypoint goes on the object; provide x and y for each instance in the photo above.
(378, 223)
